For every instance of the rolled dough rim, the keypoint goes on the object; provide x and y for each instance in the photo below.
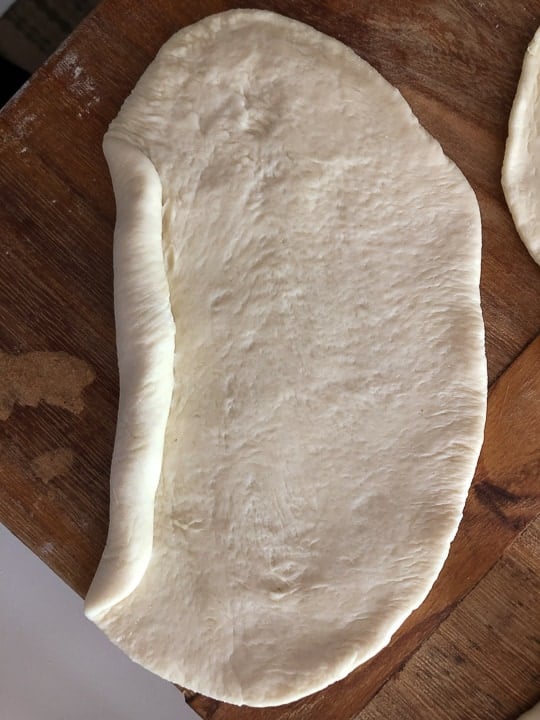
(145, 362)
(516, 122)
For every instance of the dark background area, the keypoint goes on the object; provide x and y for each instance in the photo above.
(30, 31)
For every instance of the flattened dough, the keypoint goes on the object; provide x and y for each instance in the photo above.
(520, 181)
(301, 257)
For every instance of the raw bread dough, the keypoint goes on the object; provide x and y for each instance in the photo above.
(322, 257)
(520, 182)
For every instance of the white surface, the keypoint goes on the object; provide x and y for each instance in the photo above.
(522, 154)
(5, 5)
(323, 259)
(55, 664)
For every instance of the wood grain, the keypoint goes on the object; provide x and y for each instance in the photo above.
(457, 63)
(483, 662)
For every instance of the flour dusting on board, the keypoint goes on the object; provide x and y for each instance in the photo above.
(79, 82)
(46, 549)
(23, 124)
(52, 464)
(31, 378)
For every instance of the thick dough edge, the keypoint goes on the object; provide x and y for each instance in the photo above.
(145, 333)
(519, 180)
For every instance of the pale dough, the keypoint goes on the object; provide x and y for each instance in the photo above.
(520, 181)
(299, 254)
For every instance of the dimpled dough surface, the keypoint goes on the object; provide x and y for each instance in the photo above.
(301, 355)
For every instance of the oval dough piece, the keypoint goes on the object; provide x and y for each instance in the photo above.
(322, 257)
(522, 155)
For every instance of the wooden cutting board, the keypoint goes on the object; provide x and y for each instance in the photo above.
(473, 649)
